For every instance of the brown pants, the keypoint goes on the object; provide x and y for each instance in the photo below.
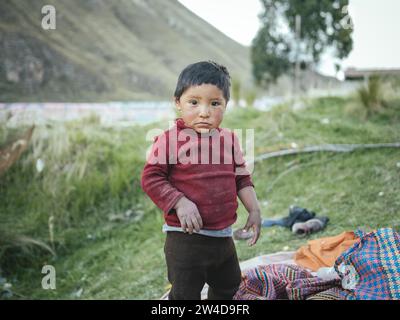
(194, 259)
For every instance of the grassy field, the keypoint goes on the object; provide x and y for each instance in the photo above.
(87, 204)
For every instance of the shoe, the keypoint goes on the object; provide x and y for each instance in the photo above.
(297, 214)
(310, 226)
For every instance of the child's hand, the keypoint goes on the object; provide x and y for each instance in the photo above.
(253, 222)
(188, 215)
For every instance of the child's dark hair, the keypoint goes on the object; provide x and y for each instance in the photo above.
(204, 72)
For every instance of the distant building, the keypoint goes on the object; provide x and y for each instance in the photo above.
(362, 74)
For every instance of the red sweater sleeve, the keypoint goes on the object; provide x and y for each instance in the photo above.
(155, 177)
(243, 177)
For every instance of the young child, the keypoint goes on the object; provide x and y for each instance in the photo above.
(198, 193)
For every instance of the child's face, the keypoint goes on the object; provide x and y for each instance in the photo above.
(202, 107)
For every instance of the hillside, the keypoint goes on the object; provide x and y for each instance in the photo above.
(106, 50)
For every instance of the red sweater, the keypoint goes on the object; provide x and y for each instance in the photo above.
(212, 183)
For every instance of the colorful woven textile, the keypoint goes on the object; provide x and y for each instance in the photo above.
(280, 281)
(370, 269)
(330, 294)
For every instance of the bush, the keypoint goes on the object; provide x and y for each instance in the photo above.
(371, 95)
(250, 97)
(236, 87)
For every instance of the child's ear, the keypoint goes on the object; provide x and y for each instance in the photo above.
(177, 103)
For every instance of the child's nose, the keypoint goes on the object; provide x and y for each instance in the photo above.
(204, 111)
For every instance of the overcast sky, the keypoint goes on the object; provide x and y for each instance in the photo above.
(376, 28)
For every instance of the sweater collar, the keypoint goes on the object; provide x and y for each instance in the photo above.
(181, 124)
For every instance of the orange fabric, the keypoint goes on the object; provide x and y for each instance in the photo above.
(323, 252)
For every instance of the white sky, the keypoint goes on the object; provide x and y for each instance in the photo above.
(376, 28)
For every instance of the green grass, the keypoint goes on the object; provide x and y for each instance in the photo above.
(92, 172)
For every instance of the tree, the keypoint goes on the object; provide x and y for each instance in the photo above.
(279, 44)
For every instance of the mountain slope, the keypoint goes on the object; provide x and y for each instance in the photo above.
(106, 50)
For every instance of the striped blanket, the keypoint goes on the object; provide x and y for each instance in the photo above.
(370, 269)
(280, 281)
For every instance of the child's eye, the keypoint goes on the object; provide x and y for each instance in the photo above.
(215, 103)
(193, 102)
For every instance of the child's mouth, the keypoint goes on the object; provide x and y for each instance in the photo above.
(203, 124)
